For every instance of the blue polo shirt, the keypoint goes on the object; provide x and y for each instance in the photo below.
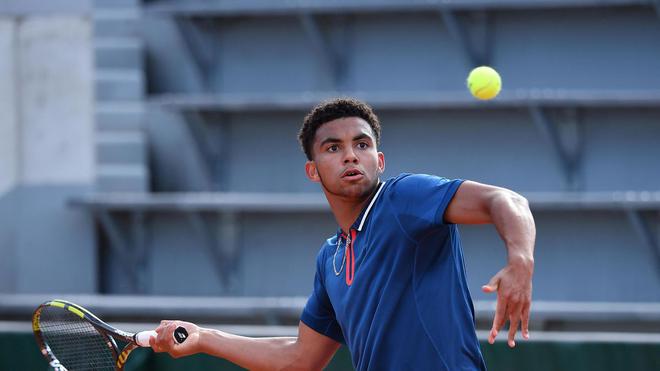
(394, 289)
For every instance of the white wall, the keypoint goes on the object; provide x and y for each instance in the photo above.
(56, 100)
(8, 122)
(46, 101)
(46, 153)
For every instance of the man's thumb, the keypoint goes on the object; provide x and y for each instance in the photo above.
(491, 286)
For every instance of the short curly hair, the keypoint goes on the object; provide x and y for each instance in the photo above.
(331, 110)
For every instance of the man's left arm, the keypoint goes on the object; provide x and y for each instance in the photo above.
(476, 203)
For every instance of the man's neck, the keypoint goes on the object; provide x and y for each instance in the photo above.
(346, 210)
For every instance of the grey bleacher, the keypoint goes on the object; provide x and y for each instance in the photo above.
(120, 87)
(564, 318)
(630, 203)
(309, 202)
(224, 199)
(269, 8)
(410, 100)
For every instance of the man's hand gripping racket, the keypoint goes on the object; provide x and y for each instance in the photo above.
(72, 338)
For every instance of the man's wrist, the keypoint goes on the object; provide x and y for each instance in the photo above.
(205, 338)
(524, 261)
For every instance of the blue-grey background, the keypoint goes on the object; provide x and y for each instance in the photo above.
(82, 86)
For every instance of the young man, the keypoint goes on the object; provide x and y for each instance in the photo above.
(391, 283)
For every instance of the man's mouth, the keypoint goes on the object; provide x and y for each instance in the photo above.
(351, 174)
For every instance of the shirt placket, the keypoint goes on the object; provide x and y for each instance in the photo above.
(350, 257)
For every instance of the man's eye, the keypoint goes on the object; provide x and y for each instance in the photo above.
(333, 148)
(362, 145)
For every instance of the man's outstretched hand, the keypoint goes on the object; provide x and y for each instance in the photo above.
(513, 285)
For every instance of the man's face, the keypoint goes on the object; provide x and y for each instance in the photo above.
(345, 158)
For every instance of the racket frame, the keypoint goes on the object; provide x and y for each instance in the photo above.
(108, 332)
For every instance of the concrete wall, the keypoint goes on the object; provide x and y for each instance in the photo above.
(8, 106)
(46, 154)
(56, 100)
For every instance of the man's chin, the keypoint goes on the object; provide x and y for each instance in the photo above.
(357, 191)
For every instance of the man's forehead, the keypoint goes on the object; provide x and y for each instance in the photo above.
(344, 126)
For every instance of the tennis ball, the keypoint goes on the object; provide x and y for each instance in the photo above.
(484, 83)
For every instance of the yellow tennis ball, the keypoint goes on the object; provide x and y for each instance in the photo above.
(484, 83)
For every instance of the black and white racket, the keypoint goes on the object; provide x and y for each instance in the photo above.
(72, 338)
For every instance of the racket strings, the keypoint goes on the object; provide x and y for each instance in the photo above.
(74, 341)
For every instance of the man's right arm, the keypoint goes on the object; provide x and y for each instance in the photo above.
(308, 351)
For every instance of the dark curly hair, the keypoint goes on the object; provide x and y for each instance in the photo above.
(331, 110)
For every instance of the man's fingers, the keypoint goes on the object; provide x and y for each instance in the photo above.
(514, 320)
(525, 321)
(164, 339)
(515, 313)
(498, 320)
(155, 345)
(152, 343)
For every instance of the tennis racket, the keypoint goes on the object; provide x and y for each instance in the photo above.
(72, 338)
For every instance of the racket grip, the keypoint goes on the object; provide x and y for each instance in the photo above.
(142, 338)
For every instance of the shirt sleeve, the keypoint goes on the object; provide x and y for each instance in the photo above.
(318, 313)
(420, 201)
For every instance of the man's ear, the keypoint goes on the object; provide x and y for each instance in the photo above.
(311, 171)
(381, 162)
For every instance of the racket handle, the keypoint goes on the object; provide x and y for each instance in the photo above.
(142, 338)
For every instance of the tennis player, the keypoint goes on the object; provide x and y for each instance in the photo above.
(391, 283)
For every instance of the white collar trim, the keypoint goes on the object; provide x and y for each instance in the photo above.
(373, 200)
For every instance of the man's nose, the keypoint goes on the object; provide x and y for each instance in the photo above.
(350, 157)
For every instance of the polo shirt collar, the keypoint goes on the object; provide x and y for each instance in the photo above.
(359, 222)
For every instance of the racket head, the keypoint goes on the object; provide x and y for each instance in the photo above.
(72, 338)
